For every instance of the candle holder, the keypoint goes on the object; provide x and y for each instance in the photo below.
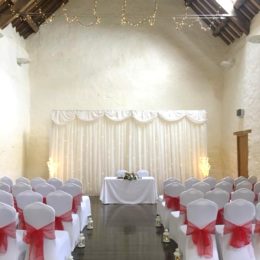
(158, 221)
(82, 241)
(177, 254)
(166, 238)
(90, 225)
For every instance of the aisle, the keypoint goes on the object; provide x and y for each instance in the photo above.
(124, 232)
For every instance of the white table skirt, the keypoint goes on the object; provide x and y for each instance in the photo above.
(119, 191)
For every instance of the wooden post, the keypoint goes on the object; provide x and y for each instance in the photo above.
(242, 152)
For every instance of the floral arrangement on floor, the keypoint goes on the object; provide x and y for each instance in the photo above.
(130, 176)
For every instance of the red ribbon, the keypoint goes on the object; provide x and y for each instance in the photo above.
(15, 204)
(66, 217)
(183, 211)
(6, 231)
(35, 238)
(220, 217)
(44, 200)
(21, 219)
(240, 235)
(76, 203)
(202, 238)
(172, 203)
(257, 227)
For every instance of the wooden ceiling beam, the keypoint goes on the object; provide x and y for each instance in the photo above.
(31, 23)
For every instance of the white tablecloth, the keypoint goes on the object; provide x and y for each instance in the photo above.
(119, 191)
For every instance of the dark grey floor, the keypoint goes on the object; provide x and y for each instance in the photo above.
(124, 232)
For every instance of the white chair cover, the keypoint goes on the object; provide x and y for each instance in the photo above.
(142, 173)
(257, 188)
(75, 181)
(211, 181)
(24, 180)
(243, 193)
(121, 173)
(7, 198)
(244, 184)
(202, 186)
(173, 189)
(200, 213)
(176, 219)
(170, 180)
(7, 180)
(239, 179)
(36, 181)
(38, 215)
(16, 247)
(20, 187)
(57, 183)
(252, 179)
(238, 212)
(256, 236)
(27, 197)
(220, 197)
(44, 189)
(224, 185)
(5, 187)
(189, 182)
(62, 203)
(229, 180)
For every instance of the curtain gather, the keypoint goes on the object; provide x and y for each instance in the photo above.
(90, 145)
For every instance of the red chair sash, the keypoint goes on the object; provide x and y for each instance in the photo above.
(44, 200)
(76, 203)
(240, 235)
(66, 217)
(15, 204)
(8, 230)
(220, 217)
(172, 203)
(21, 219)
(257, 227)
(183, 211)
(35, 238)
(202, 238)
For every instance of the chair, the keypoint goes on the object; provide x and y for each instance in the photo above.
(200, 240)
(15, 249)
(23, 199)
(211, 181)
(5, 187)
(202, 186)
(75, 181)
(239, 179)
(229, 180)
(64, 219)
(44, 189)
(7, 198)
(221, 198)
(224, 185)
(243, 193)
(171, 202)
(142, 173)
(121, 173)
(23, 180)
(256, 235)
(18, 188)
(244, 184)
(7, 180)
(234, 239)
(178, 218)
(40, 235)
(36, 181)
(189, 182)
(257, 189)
(170, 180)
(252, 179)
(76, 193)
(57, 183)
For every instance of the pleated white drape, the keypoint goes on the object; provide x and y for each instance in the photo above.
(90, 145)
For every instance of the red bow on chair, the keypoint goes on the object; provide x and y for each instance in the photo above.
(35, 237)
(202, 238)
(21, 219)
(76, 203)
(44, 200)
(220, 217)
(257, 227)
(66, 217)
(172, 203)
(183, 211)
(9, 230)
(240, 235)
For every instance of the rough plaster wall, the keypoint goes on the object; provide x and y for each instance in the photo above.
(242, 90)
(119, 67)
(14, 105)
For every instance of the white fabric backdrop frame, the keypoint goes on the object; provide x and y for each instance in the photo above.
(90, 145)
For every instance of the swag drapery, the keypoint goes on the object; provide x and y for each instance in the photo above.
(90, 145)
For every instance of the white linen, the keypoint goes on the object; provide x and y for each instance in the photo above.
(128, 192)
(89, 145)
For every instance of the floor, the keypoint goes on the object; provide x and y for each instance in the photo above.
(124, 232)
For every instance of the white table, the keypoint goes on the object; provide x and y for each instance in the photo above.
(119, 191)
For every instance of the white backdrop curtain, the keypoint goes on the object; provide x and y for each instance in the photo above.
(90, 145)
